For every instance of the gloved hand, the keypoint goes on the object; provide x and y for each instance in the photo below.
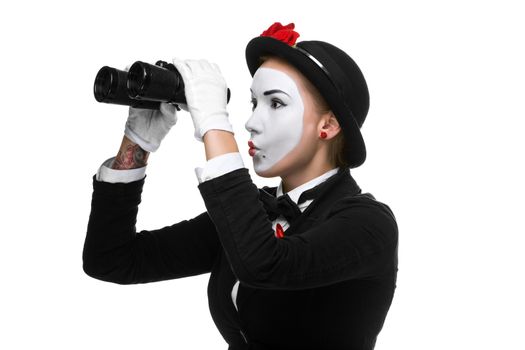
(206, 95)
(147, 127)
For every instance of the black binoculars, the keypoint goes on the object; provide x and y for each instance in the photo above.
(143, 86)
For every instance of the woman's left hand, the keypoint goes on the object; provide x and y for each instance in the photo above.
(206, 95)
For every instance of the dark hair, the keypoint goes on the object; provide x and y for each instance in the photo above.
(336, 148)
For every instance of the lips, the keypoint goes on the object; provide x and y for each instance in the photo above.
(252, 149)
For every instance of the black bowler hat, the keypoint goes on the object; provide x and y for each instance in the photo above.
(330, 70)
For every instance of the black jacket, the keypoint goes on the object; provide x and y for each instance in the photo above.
(328, 284)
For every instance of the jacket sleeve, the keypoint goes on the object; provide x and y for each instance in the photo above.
(115, 252)
(358, 240)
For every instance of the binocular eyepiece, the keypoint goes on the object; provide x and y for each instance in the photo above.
(143, 86)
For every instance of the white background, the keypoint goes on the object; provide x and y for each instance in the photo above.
(445, 152)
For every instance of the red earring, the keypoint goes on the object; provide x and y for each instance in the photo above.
(323, 135)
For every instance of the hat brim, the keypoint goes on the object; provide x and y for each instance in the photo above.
(355, 150)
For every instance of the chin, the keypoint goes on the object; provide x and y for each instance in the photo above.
(259, 170)
(276, 170)
(265, 173)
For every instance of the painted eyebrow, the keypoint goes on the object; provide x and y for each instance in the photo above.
(269, 92)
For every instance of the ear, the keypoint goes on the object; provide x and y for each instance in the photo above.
(329, 124)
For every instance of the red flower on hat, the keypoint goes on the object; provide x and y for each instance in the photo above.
(286, 34)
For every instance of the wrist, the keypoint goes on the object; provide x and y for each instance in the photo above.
(215, 122)
(136, 139)
(130, 156)
(219, 142)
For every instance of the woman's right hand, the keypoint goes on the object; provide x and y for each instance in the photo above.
(206, 95)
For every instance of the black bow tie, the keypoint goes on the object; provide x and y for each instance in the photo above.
(284, 205)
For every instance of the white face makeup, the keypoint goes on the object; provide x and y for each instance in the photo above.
(276, 124)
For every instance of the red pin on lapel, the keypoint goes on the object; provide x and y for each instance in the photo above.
(279, 232)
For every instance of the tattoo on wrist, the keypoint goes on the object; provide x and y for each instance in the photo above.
(130, 158)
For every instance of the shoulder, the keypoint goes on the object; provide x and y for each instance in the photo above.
(364, 210)
(361, 201)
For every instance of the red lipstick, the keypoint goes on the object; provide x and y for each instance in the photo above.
(252, 149)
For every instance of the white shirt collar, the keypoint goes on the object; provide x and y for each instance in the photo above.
(296, 192)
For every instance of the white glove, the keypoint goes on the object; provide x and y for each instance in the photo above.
(206, 95)
(147, 127)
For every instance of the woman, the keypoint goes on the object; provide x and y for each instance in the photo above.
(309, 264)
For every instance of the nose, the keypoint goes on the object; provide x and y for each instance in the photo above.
(253, 124)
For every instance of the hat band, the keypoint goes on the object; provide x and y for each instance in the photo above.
(318, 63)
(337, 87)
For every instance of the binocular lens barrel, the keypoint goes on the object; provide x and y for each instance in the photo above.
(110, 84)
(144, 86)
(152, 82)
(110, 87)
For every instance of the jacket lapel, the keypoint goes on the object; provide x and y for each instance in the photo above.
(340, 185)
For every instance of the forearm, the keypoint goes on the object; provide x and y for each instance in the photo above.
(108, 251)
(219, 142)
(356, 240)
(130, 156)
(115, 252)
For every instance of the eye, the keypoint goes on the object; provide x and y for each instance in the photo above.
(276, 103)
(254, 103)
